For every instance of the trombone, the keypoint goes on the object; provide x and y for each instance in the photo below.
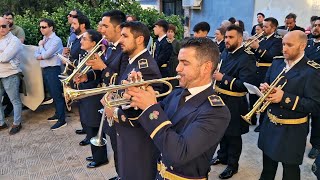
(82, 63)
(261, 104)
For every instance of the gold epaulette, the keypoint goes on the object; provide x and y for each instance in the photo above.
(215, 100)
(278, 57)
(277, 36)
(313, 64)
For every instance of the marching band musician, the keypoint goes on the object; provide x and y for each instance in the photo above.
(113, 61)
(237, 67)
(188, 124)
(136, 151)
(312, 52)
(89, 106)
(265, 50)
(285, 128)
(290, 23)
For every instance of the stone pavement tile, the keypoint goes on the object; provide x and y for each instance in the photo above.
(52, 177)
(49, 171)
(36, 176)
(66, 175)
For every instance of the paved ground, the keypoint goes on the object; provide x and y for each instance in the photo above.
(39, 153)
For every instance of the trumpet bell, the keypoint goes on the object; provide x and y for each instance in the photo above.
(96, 141)
(247, 119)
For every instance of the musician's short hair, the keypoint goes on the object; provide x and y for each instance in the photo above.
(82, 19)
(236, 28)
(273, 21)
(137, 28)
(291, 15)
(205, 48)
(78, 12)
(116, 17)
(50, 23)
(222, 30)
(162, 23)
(260, 13)
(201, 26)
(172, 28)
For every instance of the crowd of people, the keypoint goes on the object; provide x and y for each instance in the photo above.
(159, 137)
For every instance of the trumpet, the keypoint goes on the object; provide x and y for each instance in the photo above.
(82, 63)
(71, 95)
(252, 39)
(261, 104)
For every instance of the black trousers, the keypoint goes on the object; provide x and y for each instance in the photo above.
(315, 131)
(99, 153)
(290, 172)
(111, 131)
(230, 150)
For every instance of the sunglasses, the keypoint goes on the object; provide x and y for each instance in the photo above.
(74, 16)
(43, 27)
(3, 26)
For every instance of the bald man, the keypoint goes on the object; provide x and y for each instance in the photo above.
(285, 127)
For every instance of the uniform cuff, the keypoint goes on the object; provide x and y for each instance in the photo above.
(289, 101)
(154, 119)
(228, 81)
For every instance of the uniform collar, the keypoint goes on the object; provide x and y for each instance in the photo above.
(196, 90)
(237, 49)
(269, 36)
(137, 55)
(160, 38)
(293, 63)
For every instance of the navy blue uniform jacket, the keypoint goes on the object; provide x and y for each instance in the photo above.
(137, 154)
(188, 135)
(282, 142)
(237, 68)
(312, 51)
(162, 55)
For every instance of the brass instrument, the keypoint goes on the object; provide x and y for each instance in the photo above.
(87, 68)
(67, 62)
(218, 69)
(98, 140)
(82, 63)
(71, 95)
(250, 41)
(261, 104)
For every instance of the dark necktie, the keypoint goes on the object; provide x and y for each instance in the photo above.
(109, 51)
(183, 96)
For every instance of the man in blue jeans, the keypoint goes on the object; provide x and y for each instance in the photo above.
(50, 45)
(10, 46)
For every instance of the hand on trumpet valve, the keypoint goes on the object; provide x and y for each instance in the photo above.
(135, 76)
(255, 44)
(217, 75)
(141, 98)
(264, 87)
(96, 62)
(108, 110)
(80, 78)
(276, 96)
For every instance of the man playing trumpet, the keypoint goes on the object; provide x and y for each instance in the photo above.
(188, 124)
(265, 50)
(285, 127)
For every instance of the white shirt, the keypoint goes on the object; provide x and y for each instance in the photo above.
(160, 38)
(137, 55)
(288, 67)
(196, 90)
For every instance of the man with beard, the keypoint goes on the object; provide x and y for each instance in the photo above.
(312, 52)
(137, 154)
(285, 128)
(15, 30)
(73, 14)
(269, 47)
(237, 67)
(189, 123)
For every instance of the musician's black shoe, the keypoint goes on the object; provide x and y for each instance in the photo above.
(80, 131)
(228, 173)
(257, 129)
(313, 153)
(94, 164)
(84, 142)
(216, 161)
(90, 158)
(58, 125)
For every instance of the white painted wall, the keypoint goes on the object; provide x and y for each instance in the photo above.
(278, 9)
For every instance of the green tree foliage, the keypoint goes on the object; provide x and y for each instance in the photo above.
(94, 9)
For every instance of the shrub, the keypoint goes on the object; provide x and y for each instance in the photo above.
(30, 21)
